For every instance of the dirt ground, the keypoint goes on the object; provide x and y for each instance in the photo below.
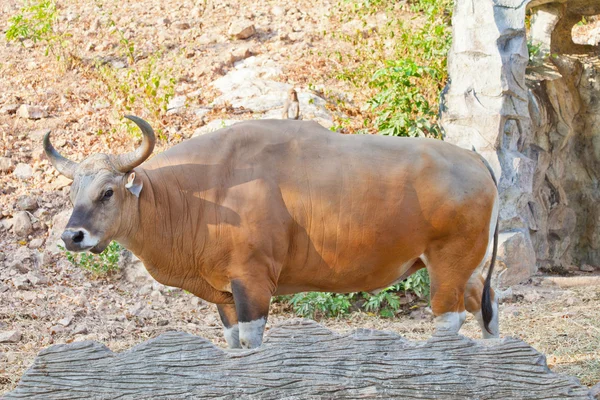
(62, 303)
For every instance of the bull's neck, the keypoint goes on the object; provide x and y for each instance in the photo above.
(139, 235)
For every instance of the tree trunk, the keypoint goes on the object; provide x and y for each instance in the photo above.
(299, 359)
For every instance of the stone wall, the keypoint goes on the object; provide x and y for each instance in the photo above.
(539, 127)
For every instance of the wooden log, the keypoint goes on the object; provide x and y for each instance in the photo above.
(299, 359)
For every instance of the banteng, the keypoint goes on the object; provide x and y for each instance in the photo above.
(271, 207)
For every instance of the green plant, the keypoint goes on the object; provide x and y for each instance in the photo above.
(537, 55)
(98, 264)
(36, 21)
(313, 304)
(386, 302)
(403, 63)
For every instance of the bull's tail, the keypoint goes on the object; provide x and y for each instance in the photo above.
(487, 311)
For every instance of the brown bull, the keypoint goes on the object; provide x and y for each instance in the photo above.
(273, 207)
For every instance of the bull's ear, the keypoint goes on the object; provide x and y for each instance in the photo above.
(134, 185)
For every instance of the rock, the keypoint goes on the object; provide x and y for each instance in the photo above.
(277, 11)
(59, 222)
(181, 26)
(164, 21)
(162, 322)
(37, 136)
(157, 296)
(241, 29)
(176, 104)
(4, 288)
(211, 38)
(238, 54)
(36, 243)
(7, 223)
(57, 330)
(31, 112)
(37, 278)
(66, 321)
(22, 224)
(587, 268)
(10, 337)
(144, 290)
(9, 109)
(516, 251)
(18, 266)
(21, 282)
(133, 270)
(23, 171)
(27, 203)
(80, 330)
(60, 182)
(6, 165)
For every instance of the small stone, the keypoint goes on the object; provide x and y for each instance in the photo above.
(162, 322)
(157, 296)
(17, 265)
(20, 282)
(164, 21)
(4, 288)
(38, 135)
(57, 330)
(242, 29)
(31, 112)
(23, 171)
(587, 268)
(27, 203)
(80, 330)
(277, 11)
(9, 109)
(22, 224)
(37, 278)
(181, 26)
(6, 164)
(176, 104)
(144, 290)
(66, 321)
(10, 337)
(60, 182)
(36, 243)
(135, 310)
(7, 223)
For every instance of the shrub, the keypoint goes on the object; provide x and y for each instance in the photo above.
(98, 264)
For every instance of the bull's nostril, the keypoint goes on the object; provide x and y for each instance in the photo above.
(78, 237)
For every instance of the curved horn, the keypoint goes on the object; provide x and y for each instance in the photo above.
(62, 165)
(127, 162)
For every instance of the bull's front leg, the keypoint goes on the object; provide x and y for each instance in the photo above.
(252, 300)
(231, 330)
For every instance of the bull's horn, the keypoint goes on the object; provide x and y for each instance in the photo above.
(127, 162)
(62, 165)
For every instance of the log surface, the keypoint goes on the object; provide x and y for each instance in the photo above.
(299, 359)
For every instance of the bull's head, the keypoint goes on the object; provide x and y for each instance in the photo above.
(104, 187)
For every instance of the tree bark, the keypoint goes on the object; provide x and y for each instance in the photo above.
(299, 359)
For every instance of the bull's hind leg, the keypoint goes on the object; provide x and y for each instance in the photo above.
(450, 265)
(231, 329)
(473, 296)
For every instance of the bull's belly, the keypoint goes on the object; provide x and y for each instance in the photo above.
(345, 280)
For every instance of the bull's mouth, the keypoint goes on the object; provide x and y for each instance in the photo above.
(97, 249)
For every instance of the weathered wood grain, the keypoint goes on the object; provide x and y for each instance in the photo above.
(299, 359)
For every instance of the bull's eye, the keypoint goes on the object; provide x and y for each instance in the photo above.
(108, 193)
